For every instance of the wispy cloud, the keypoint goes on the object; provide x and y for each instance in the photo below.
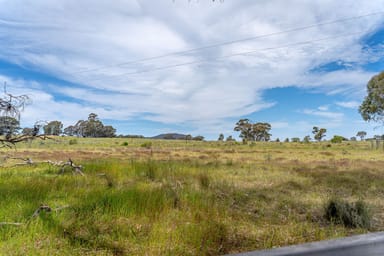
(348, 104)
(323, 108)
(325, 114)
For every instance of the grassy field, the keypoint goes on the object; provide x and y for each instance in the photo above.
(143, 197)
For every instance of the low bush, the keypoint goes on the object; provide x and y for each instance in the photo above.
(351, 215)
(146, 145)
(72, 142)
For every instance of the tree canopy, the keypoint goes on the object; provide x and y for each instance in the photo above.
(253, 131)
(9, 125)
(319, 133)
(53, 128)
(338, 139)
(361, 134)
(372, 108)
(92, 127)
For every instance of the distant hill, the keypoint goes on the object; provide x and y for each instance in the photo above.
(170, 136)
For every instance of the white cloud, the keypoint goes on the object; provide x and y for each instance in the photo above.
(350, 82)
(336, 116)
(323, 108)
(348, 104)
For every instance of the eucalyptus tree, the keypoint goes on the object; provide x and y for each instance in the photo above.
(244, 126)
(319, 133)
(361, 134)
(253, 131)
(53, 128)
(372, 108)
(260, 131)
(9, 125)
(92, 127)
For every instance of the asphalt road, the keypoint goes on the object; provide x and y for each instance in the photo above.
(371, 244)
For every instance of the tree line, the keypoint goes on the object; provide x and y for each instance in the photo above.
(260, 131)
(92, 127)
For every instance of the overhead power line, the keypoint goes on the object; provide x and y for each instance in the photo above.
(233, 55)
(232, 42)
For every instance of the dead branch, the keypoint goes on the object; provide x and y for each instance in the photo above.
(29, 161)
(76, 169)
(42, 208)
(26, 161)
(10, 142)
(11, 223)
(58, 163)
(46, 208)
(61, 208)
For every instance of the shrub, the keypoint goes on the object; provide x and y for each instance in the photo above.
(352, 215)
(146, 145)
(72, 142)
(124, 143)
(214, 238)
(295, 139)
(338, 139)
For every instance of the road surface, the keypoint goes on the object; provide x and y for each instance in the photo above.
(371, 244)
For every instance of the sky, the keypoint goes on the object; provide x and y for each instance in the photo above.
(194, 66)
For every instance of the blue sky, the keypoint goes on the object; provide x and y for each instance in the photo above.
(194, 66)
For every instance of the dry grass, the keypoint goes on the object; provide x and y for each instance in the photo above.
(178, 198)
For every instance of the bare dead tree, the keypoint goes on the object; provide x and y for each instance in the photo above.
(10, 107)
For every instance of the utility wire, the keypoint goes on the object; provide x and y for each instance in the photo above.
(232, 42)
(232, 55)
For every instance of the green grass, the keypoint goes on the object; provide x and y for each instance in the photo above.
(182, 198)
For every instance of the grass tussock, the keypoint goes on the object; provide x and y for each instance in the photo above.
(204, 180)
(351, 215)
